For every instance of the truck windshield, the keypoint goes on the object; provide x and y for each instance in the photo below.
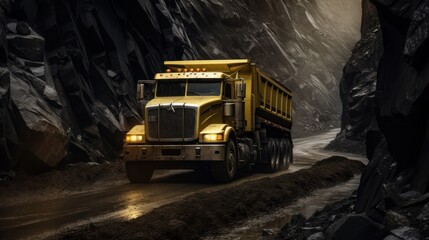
(196, 87)
(170, 88)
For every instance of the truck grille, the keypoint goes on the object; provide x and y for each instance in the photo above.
(166, 123)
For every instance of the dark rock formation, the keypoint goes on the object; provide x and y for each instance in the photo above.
(78, 62)
(393, 118)
(68, 96)
(357, 91)
(357, 87)
(355, 227)
(390, 106)
(402, 87)
(401, 99)
(339, 221)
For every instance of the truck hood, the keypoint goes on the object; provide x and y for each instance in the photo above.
(194, 101)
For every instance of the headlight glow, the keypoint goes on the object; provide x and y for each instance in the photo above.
(213, 137)
(134, 138)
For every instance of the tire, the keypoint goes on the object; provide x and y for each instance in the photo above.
(283, 154)
(138, 172)
(286, 154)
(273, 154)
(225, 171)
(289, 153)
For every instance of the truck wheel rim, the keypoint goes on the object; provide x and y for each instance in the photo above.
(231, 161)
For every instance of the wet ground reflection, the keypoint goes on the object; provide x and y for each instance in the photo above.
(252, 229)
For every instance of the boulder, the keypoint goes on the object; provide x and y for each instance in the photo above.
(37, 68)
(394, 220)
(424, 213)
(355, 227)
(316, 236)
(41, 138)
(11, 27)
(370, 191)
(23, 28)
(31, 47)
(404, 233)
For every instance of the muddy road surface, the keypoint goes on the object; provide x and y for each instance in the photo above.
(40, 217)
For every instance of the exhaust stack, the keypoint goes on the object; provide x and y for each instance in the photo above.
(240, 88)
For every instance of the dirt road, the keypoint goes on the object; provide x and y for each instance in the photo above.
(45, 217)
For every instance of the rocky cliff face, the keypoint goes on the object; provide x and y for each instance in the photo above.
(385, 101)
(402, 96)
(385, 94)
(357, 87)
(69, 68)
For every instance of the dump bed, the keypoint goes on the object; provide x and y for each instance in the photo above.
(274, 101)
(266, 98)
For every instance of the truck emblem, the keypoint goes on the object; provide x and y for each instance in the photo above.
(171, 108)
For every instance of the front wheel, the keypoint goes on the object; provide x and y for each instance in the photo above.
(225, 171)
(138, 172)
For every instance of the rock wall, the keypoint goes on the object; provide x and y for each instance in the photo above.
(385, 101)
(69, 68)
(358, 87)
(68, 81)
(402, 89)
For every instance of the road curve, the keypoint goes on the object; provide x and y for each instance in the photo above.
(125, 201)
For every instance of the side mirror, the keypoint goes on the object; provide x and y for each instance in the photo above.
(140, 90)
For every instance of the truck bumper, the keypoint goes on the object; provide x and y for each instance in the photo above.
(159, 153)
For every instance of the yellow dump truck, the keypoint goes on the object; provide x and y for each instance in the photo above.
(216, 115)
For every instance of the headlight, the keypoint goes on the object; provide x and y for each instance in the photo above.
(134, 139)
(213, 137)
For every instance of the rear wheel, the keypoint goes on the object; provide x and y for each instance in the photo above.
(283, 152)
(286, 154)
(138, 172)
(289, 153)
(273, 155)
(225, 171)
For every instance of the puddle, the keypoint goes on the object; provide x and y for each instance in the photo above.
(272, 224)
